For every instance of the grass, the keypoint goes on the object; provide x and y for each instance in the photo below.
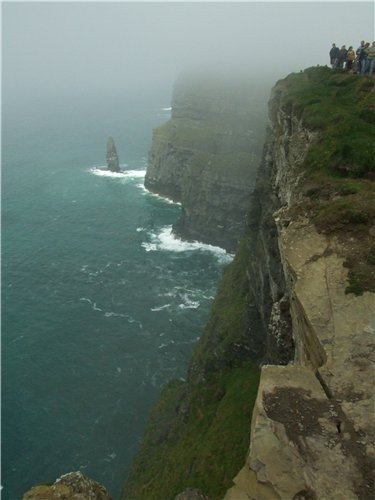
(341, 108)
(210, 444)
(339, 166)
(199, 430)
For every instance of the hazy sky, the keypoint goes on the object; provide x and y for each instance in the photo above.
(63, 47)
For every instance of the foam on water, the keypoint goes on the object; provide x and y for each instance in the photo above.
(188, 303)
(124, 174)
(167, 241)
(155, 309)
(154, 195)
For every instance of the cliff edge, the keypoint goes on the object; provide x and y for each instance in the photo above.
(312, 431)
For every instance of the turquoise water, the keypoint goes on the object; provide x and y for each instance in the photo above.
(100, 304)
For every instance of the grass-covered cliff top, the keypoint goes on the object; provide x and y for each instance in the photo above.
(339, 168)
(341, 107)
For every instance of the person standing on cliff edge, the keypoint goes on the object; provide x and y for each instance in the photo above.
(333, 55)
(371, 59)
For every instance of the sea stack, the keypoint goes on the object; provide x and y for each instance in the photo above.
(112, 157)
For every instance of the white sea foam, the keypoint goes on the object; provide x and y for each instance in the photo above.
(93, 304)
(166, 240)
(188, 303)
(124, 174)
(155, 309)
(111, 314)
(162, 345)
(101, 172)
(154, 195)
(166, 109)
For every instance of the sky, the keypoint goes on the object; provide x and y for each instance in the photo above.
(64, 48)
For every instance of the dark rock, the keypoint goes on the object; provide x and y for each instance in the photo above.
(112, 157)
(71, 486)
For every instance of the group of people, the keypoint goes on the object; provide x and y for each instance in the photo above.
(361, 60)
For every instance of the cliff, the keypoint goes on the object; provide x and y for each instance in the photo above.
(298, 300)
(312, 430)
(206, 156)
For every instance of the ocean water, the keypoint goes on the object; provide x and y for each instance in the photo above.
(101, 305)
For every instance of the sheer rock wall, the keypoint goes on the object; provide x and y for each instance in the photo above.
(312, 430)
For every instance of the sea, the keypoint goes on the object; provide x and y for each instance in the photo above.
(101, 304)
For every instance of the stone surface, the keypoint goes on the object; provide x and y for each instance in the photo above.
(71, 486)
(112, 157)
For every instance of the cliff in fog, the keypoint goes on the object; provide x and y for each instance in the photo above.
(295, 312)
(206, 156)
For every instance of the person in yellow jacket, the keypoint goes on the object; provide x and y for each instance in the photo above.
(350, 56)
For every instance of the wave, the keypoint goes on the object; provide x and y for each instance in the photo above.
(111, 314)
(167, 241)
(189, 304)
(166, 109)
(93, 304)
(124, 174)
(155, 309)
(154, 195)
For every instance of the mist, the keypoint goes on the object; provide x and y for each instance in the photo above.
(57, 51)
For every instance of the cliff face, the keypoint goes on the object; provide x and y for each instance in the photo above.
(206, 156)
(312, 430)
(298, 300)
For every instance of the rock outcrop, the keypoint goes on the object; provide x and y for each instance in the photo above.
(206, 158)
(71, 486)
(112, 156)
